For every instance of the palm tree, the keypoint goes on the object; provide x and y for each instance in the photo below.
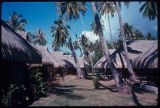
(138, 34)
(88, 48)
(115, 73)
(30, 37)
(67, 53)
(59, 33)
(128, 31)
(72, 10)
(77, 45)
(149, 36)
(39, 38)
(131, 33)
(94, 26)
(132, 74)
(107, 8)
(149, 10)
(80, 73)
(16, 22)
(97, 53)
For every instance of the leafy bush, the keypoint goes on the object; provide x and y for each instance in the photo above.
(10, 97)
(39, 86)
(96, 83)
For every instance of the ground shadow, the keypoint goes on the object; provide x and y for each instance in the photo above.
(65, 86)
(112, 88)
(66, 91)
(72, 96)
(137, 89)
(89, 78)
(84, 89)
(60, 89)
(134, 97)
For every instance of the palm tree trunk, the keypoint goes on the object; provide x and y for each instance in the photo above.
(116, 75)
(92, 67)
(81, 51)
(80, 73)
(132, 74)
(110, 31)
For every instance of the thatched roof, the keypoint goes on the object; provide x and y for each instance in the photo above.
(15, 48)
(70, 59)
(67, 61)
(46, 55)
(148, 59)
(47, 58)
(135, 49)
(102, 61)
(23, 34)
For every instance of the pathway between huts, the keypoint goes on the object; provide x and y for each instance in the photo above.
(78, 92)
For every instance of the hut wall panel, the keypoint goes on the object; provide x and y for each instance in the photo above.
(13, 73)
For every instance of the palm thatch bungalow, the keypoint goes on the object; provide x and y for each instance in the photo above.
(47, 58)
(148, 59)
(15, 48)
(48, 65)
(135, 48)
(138, 50)
(67, 62)
(16, 53)
(147, 64)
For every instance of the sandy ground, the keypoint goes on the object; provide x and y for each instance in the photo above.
(78, 92)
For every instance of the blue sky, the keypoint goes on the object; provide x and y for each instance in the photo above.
(43, 14)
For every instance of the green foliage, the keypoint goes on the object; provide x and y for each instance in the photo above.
(95, 26)
(40, 87)
(59, 33)
(131, 33)
(149, 36)
(72, 10)
(17, 22)
(149, 10)
(39, 38)
(6, 95)
(96, 83)
(98, 53)
(67, 53)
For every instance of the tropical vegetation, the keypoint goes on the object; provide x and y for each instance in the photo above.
(17, 22)
(62, 38)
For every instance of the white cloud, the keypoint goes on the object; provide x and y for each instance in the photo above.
(114, 27)
(90, 35)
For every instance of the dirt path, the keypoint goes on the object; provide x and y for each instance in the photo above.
(82, 93)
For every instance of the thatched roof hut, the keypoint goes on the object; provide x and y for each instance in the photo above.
(15, 48)
(148, 59)
(47, 58)
(67, 61)
(23, 34)
(135, 49)
(102, 61)
(70, 59)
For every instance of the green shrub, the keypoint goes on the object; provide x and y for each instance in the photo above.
(39, 86)
(96, 83)
(7, 95)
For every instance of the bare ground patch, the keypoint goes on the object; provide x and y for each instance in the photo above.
(80, 92)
